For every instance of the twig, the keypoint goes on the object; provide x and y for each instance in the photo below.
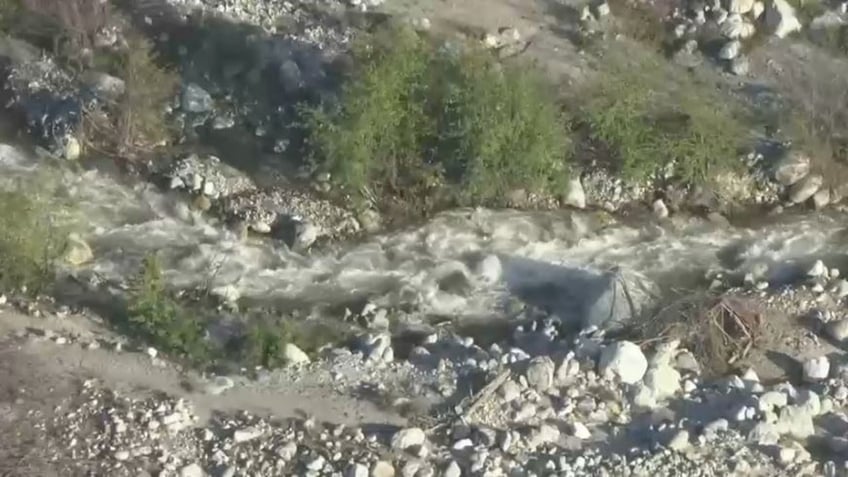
(486, 393)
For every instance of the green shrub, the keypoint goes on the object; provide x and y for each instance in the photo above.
(415, 118)
(161, 319)
(33, 234)
(134, 123)
(265, 340)
(649, 116)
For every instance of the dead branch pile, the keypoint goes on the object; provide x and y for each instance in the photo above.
(719, 330)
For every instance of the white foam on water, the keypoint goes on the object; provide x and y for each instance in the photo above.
(408, 266)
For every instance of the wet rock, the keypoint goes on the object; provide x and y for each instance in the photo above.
(370, 221)
(816, 369)
(295, 355)
(624, 360)
(406, 438)
(575, 196)
(821, 199)
(730, 50)
(792, 168)
(489, 269)
(201, 203)
(781, 18)
(69, 147)
(819, 269)
(805, 188)
(540, 373)
(195, 99)
(77, 251)
(659, 209)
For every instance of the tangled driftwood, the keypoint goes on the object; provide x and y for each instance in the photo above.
(719, 330)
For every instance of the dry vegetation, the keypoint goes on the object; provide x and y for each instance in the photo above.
(720, 330)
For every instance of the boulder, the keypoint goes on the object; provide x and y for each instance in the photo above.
(781, 18)
(792, 168)
(816, 369)
(575, 195)
(806, 188)
(77, 252)
(624, 360)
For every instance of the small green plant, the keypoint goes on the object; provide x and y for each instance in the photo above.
(33, 235)
(415, 118)
(161, 319)
(647, 122)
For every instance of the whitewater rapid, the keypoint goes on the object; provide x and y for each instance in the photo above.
(415, 267)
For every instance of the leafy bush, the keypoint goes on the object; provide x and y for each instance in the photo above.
(33, 235)
(415, 118)
(161, 319)
(647, 122)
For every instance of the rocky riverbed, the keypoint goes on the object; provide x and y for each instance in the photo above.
(484, 342)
